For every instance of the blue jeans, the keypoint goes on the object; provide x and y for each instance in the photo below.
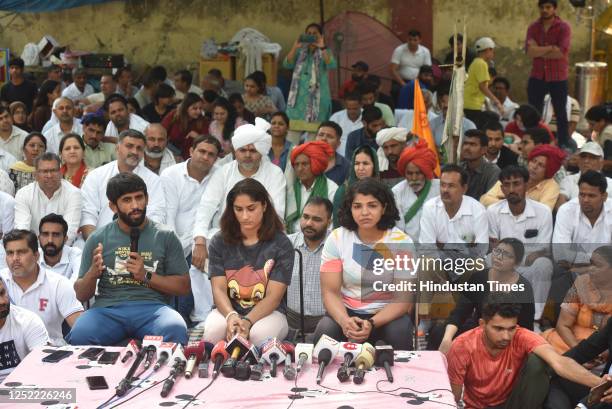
(111, 325)
(537, 90)
(184, 303)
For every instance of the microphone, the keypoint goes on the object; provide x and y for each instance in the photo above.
(132, 348)
(303, 353)
(243, 368)
(126, 382)
(194, 353)
(175, 372)
(325, 350)
(218, 355)
(324, 356)
(257, 370)
(384, 358)
(166, 349)
(236, 349)
(134, 236)
(272, 352)
(350, 351)
(150, 353)
(203, 367)
(364, 361)
(289, 370)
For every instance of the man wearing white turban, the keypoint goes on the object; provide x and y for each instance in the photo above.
(251, 145)
(391, 142)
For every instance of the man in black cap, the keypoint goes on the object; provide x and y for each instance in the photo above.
(359, 73)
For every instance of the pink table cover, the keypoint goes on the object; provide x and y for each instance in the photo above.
(421, 371)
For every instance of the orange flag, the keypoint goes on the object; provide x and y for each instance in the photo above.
(420, 123)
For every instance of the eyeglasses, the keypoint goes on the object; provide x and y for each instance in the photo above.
(503, 253)
(47, 171)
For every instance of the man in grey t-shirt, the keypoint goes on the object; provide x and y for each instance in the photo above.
(133, 287)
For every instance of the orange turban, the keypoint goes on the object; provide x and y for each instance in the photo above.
(421, 156)
(554, 158)
(319, 153)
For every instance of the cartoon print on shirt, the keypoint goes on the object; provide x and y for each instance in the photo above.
(248, 286)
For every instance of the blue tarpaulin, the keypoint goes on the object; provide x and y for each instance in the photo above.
(37, 6)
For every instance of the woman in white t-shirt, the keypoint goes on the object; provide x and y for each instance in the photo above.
(356, 266)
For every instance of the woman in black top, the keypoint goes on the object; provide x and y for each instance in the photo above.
(506, 256)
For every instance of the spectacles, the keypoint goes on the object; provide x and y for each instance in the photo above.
(503, 253)
(47, 171)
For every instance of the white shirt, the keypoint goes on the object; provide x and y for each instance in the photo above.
(509, 108)
(404, 118)
(73, 93)
(95, 203)
(569, 186)
(136, 123)
(437, 127)
(305, 195)
(69, 263)
(32, 205)
(222, 181)
(14, 143)
(51, 297)
(6, 160)
(183, 195)
(55, 134)
(6, 184)
(7, 207)
(404, 198)
(166, 161)
(22, 332)
(573, 227)
(348, 126)
(409, 62)
(469, 225)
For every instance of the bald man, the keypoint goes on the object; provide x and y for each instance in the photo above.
(157, 156)
(63, 108)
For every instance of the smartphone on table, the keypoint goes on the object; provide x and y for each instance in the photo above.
(109, 358)
(96, 382)
(56, 356)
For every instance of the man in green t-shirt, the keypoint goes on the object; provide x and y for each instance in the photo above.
(477, 84)
(133, 286)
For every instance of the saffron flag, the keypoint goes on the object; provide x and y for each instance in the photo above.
(420, 124)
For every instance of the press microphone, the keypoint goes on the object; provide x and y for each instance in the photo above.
(289, 370)
(150, 356)
(243, 368)
(134, 236)
(218, 355)
(236, 348)
(132, 348)
(126, 382)
(194, 353)
(349, 350)
(203, 367)
(325, 350)
(166, 349)
(364, 361)
(384, 358)
(175, 372)
(272, 352)
(257, 370)
(303, 354)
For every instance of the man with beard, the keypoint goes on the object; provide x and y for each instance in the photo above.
(134, 287)
(314, 225)
(63, 108)
(97, 153)
(528, 221)
(373, 122)
(120, 119)
(130, 151)
(45, 293)
(417, 165)
(391, 142)
(21, 331)
(359, 72)
(482, 175)
(498, 153)
(157, 156)
(56, 255)
(251, 145)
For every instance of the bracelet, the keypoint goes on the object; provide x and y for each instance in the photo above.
(230, 313)
(244, 317)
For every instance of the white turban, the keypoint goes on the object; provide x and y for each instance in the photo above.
(385, 135)
(254, 134)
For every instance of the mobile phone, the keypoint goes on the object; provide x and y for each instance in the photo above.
(597, 392)
(56, 356)
(96, 382)
(92, 353)
(109, 358)
(307, 38)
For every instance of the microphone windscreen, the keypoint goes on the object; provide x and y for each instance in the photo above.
(219, 350)
(324, 356)
(289, 347)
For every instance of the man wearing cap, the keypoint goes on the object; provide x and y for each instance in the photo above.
(589, 158)
(359, 72)
(477, 84)
(417, 165)
(309, 162)
(548, 43)
(391, 142)
(251, 146)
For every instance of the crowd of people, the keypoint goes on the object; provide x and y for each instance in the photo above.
(154, 208)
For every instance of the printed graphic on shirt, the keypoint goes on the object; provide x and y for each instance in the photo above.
(9, 358)
(247, 286)
(120, 275)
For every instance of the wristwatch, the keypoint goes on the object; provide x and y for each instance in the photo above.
(147, 277)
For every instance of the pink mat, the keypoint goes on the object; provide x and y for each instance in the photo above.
(421, 371)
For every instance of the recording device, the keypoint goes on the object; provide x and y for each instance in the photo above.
(109, 358)
(218, 356)
(272, 352)
(166, 349)
(236, 348)
(257, 370)
(384, 358)
(325, 350)
(243, 368)
(125, 383)
(132, 349)
(96, 382)
(134, 236)
(56, 356)
(363, 362)
(307, 38)
(194, 353)
(303, 355)
(597, 392)
(177, 369)
(150, 355)
(91, 353)
(349, 351)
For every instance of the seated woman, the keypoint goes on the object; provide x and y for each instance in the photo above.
(185, 123)
(544, 162)
(225, 121)
(250, 265)
(586, 306)
(162, 103)
(279, 152)
(22, 172)
(19, 114)
(505, 258)
(354, 310)
(255, 98)
(72, 153)
(364, 164)
(238, 103)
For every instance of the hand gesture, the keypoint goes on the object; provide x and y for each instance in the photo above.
(97, 263)
(135, 265)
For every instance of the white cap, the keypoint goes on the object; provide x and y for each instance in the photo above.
(593, 148)
(484, 43)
